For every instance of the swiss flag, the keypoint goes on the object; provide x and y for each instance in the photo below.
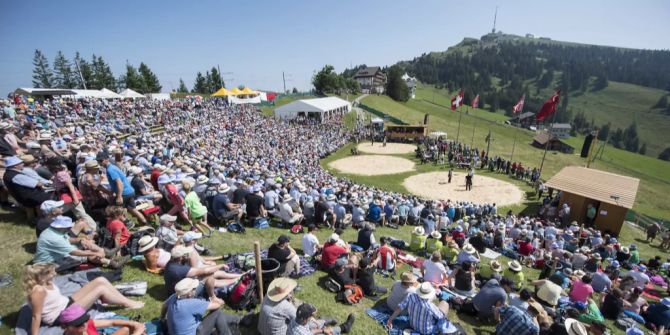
(549, 106)
(475, 102)
(457, 101)
(519, 105)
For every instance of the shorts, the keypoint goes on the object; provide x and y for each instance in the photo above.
(129, 201)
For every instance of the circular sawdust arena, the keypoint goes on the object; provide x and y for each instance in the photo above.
(434, 185)
(389, 149)
(372, 165)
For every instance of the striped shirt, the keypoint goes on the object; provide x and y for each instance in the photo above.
(424, 316)
(517, 322)
(275, 317)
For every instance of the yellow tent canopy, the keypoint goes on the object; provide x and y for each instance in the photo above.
(235, 91)
(222, 92)
(249, 91)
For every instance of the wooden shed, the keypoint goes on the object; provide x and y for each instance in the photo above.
(611, 194)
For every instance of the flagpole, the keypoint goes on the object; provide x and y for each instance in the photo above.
(488, 145)
(516, 133)
(546, 145)
(460, 115)
(474, 125)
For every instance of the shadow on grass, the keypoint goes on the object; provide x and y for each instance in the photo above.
(30, 247)
(531, 208)
(157, 292)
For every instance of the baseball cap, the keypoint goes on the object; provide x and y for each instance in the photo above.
(305, 311)
(191, 235)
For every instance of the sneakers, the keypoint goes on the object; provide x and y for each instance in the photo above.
(346, 326)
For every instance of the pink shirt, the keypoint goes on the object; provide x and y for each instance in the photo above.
(580, 291)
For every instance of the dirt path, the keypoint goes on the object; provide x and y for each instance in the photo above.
(372, 165)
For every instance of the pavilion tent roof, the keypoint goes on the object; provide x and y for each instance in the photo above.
(319, 105)
(128, 93)
(248, 91)
(235, 91)
(110, 94)
(222, 92)
(598, 185)
(43, 91)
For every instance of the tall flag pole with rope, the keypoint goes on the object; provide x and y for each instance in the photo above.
(457, 101)
(475, 103)
(548, 108)
(518, 108)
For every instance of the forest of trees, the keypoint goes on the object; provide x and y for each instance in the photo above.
(328, 81)
(93, 74)
(208, 83)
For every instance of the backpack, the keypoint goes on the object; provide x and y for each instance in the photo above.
(297, 229)
(236, 228)
(133, 245)
(261, 223)
(351, 295)
(332, 285)
(104, 238)
(398, 244)
(242, 295)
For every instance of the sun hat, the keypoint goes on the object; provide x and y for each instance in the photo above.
(190, 236)
(575, 327)
(147, 242)
(48, 206)
(343, 201)
(435, 234)
(418, 231)
(280, 288)
(625, 250)
(185, 286)
(331, 197)
(334, 237)
(62, 222)
(164, 179)
(91, 164)
(407, 278)
(579, 274)
(74, 315)
(202, 179)
(459, 229)
(223, 188)
(12, 161)
(27, 159)
(597, 256)
(496, 266)
(165, 218)
(514, 266)
(180, 251)
(135, 170)
(426, 291)
(287, 197)
(469, 249)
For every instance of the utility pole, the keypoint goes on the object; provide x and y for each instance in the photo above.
(488, 144)
(76, 61)
(220, 75)
(495, 17)
(284, 79)
(546, 145)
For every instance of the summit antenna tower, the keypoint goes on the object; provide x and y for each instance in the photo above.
(495, 17)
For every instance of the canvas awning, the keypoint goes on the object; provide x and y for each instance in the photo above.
(249, 91)
(128, 93)
(598, 185)
(110, 94)
(235, 91)
(222, 92)
(43, 91)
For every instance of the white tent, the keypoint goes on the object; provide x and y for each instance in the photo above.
(109, 94)
(251, 100)
(43, 91)
(128, 93)
(78, 94)
(158, 96)
(437, 134)
(321, 109)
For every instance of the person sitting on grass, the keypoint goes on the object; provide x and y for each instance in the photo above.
(289, 261)
(401, 289)
(75, 321)
(514, 272)
(589, 312)
(52, 209)
(490, 271)
(433, 242)
(434, 272)
(366, 278)
(305, 323)
(47, 302)
(424, 316)
(179, 268)
(197, 212)
(385, 257)
(450, 251)
(155, 259)
(462, 279)
(116, 216)
(190, 239)
(185, 313)
(310, 243)
(331, 252)
(278, 307)
(418, 241)
(167, 233)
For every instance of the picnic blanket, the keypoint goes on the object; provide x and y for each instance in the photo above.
(653, 292)
(413, 261)
(382, 313)
(306, 268)
(490, 254)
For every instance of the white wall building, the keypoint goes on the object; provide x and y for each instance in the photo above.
(320, 109)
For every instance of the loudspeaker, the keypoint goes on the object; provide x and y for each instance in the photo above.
(425, 119)
(587, 145)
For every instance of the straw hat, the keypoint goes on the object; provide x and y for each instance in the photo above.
(185, 286)
(147, 242)
(625, 250)
(496, 266)
(224, 188)
(419, 231)
(202, 179)
(426, 291)
(575, 327)
(280, 288)
(514, 265)
(27, 159)
(407, 278)
(469, 249)
(435, 234)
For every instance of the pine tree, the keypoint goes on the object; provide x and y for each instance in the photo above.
(64, 77)
(643, 149)
(102, 76)
(604, 132)
(215, 80)
(182, 87)
(200, 85)
(396, 87)
(133, 80)
(150, 80)
(42, 75)
(84, 71)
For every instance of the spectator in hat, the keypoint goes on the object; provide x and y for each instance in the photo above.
(124, 194)
(155, 259)
(468, 254)
(282, 252)
(75, 321)
(331, 252)
(310, 243)
(29, 165)
(489, 271)
(418, 240)
(47, 302)
(222, 208)
(167, 233)
(434, 243)
(424, 316)
(286, 211)
(450, 251)
(90, 183)
(179, 267)
(401, 289)
(277, 309)
(305, 323)
(26, 190)
(186, 313)
(144, 189)
(514, 272)
(50, 209)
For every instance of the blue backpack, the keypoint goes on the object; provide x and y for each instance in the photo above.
(261, 223)
(236, 227)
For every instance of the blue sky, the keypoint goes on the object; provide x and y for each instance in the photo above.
(257, 40)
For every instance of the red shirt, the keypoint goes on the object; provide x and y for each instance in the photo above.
(116, 226)
(525, 248)
(386, 252)
(155, 173)
(173, 195)
(330, 253)
(456, 234)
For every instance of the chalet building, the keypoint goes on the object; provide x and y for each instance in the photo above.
(371, 79)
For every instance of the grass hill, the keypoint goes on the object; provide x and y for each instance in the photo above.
(475, 125)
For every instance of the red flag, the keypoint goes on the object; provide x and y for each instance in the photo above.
(475, 102)
(519, 105)
(457, 101)
(549, 106)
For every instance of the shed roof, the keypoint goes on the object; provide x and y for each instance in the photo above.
(367, 71)
(598, 185)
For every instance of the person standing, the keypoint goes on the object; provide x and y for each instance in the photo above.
(450, 175)
(124, 194)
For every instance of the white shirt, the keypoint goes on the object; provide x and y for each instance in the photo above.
(433, 271)
(641, 279)
(309, 244)
(285, 212)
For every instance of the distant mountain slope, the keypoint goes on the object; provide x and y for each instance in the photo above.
(600, 84)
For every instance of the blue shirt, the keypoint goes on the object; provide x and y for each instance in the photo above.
(517, 322)
(659, 315)
(388, 211)
(220, 204)
(114, 173)
(374, 213)
(184, 315)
